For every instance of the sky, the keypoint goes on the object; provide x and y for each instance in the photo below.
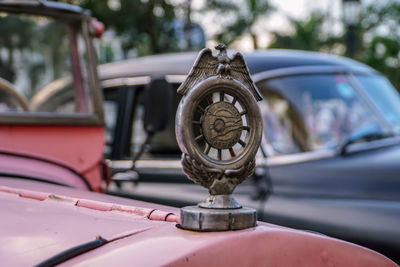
(277, 21)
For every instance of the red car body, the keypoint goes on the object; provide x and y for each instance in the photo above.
(50, 163)
(68, 155)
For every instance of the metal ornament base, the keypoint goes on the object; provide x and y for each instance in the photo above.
(205, 219)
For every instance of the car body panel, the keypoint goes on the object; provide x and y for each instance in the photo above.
(42, 223)
(40, 170)
(327, 177)
(77, 147)
(264, 245)
(135, 238)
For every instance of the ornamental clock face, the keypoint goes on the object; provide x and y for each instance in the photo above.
(221, 126)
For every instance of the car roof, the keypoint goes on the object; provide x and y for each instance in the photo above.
(259, 61)
(42, 7)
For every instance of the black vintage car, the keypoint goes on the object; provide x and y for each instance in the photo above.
(329, 160)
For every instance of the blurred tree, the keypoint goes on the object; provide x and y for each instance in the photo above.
(307, 35)
(146, 25)
(378, 38)
(243, 15)
(379, 30)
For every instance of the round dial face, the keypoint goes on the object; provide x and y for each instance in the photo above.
(219, 124)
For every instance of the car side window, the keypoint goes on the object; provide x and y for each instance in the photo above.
(163, 144)
(282, 125)
(110, 106)
(311, 112)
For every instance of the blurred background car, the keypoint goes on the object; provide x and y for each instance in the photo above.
(328, 160)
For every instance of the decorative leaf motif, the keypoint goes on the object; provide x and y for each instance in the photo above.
(198, 173)
(243, 172)
(205, 176)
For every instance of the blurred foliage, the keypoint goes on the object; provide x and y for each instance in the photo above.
(307, 35)
(242, 16)
(377, 37)
(146, 26)
(379, 32)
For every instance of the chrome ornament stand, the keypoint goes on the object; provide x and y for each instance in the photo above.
(219, 129)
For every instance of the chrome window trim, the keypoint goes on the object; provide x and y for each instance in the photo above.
(139, 80)
(279, 160)
(178, 78)
(125, 81)
(147, 164)
(300, 70)
(365, 146)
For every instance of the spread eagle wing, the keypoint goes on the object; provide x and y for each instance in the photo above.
(240, 72)
(204, 66)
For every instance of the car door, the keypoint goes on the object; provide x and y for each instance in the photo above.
(307, 118)
(160, 161)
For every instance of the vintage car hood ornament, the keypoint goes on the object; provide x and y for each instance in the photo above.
(219, 128)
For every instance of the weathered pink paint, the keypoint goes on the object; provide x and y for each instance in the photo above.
(35, 229)
(96, 205)
(32, 194)
(79, 147)
(152, 214)
(40, 169)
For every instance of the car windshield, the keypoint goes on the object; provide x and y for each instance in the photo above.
(311, 112)
(385, 97)
(39, 53)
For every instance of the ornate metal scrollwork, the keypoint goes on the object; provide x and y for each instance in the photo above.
(218, 125)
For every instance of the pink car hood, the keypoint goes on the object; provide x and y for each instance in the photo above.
(36, 225)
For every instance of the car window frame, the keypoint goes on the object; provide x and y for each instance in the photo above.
(275, 159)
(153, 169)
(95, 118)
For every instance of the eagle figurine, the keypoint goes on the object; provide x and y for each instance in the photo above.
(207, 65)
